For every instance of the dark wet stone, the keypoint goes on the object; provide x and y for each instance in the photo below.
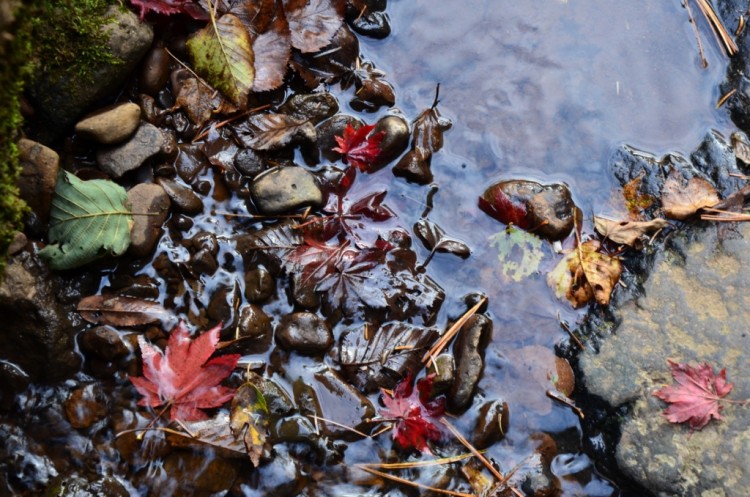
(313, 107)
(374, 24)
(203, 262)
(75, 486)
(693, 309)
(277, 399)
(110, 125)
(190, 161)
(20, 240)
(329, 129)
(304, 296)
(85, 406)
(155, 70)
(182, 222)
(304, 332)
(469, 353)
(168, 149)
(183, 197)
(254, 323)
(715, 158)
(151, 203)
(415, 167)
(39, 168)
(13, 380)
(22, 455)
(221, 307)
(551, 212)
(205, 240)
(249, 163)
(492, 423)
(444, 369)
(259, 284)
(285, 189)
(340, 402)
(396, 134)
(144, 144)
(192, 473)
(103, 342)
(37, 334)
(61, 98)
(282, 476)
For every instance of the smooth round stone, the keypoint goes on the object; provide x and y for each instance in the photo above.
(110, 125)
(285, 189)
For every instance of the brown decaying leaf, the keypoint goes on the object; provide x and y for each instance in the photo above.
(741, 147)
(120, 311)
(434, 239)
(272, 50)
(585, 274)
(213, 432)
(628, 232)
(680, 202)
(313, 22)
(249, 415)
(273, 131)
(428, 129)
(635, 201)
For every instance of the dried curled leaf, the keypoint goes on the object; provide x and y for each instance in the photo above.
(120, 311)
(222, 54)
(680, 202)
(249, 418)
(585, 274)
(628, 233)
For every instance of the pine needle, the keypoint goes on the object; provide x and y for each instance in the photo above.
(452, 331)
(418, 464)
(717, 27)
(412, 483)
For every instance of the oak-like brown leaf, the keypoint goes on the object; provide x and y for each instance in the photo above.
(585, 274)
(680, 202)
(272, 50)
(695, 399)
(313, 23)
(183, 376)
(628, 232)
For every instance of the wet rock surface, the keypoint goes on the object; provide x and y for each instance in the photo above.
(285, 189)
(38, 177)
(304, 332)
(694, 309)
(145, 143)
(469, 353)
(110, 125)
(151, 203)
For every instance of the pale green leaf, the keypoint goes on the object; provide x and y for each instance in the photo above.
(519, 253)
(89, 220)
(222, 54)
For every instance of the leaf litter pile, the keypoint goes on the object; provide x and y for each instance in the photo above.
(356, 354)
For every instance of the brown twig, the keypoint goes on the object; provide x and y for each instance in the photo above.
(686, 4)
(572, 335)
(412, 483)
(717, 27)
(725, 97)
(452, 331)
(564, 400)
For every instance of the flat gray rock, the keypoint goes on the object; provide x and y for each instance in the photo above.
(695, 307)
(118, 160)
(285, 189)
(110, 125)
(150, 204)
(40, 166)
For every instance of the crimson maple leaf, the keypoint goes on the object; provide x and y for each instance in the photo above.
(415, 415)
(168, 7)
(359, 147)
(182, 376)
(696, 399)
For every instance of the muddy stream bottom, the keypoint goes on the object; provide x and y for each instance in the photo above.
(540, 91)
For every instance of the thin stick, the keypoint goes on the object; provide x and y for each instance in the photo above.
(564, 400)
(413, 483)
(686, 4)
(725, 97)
(340, 425)
(418, 464)
(717, 27)
(452, 331)
(565, 326)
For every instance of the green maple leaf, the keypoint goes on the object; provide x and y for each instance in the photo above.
(518, 251)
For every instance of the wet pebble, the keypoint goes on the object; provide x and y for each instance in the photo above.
(85, 406)
(151, 204)
(168, 148)
(13, 380)
(396, 134)
(203, 262)
(118, 160)
(39, 168)
(254, 323)
(313, 107)
(184, 198)
(110, 125)
(155, 70)
(469, 353)
(190, 161)
(444, 369)
(415, 167)
(259, 284)
(285, 189)
(304, 332)
(328, 131)
(192, 473)
(75, 486)
(375, 24)
(205, 240)
(249, 163)
(103, 342)
(492, 423)
(340, 402)
(19, 242)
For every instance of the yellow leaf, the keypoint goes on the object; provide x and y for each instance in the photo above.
(585, 274)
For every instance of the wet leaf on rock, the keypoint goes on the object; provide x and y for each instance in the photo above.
(88, 220)
(375, 358)
(680, 202)
(121, 311)
(273, 131)
(519, 252)
(695, 399)
(272, 50)
(635, 201)
(506, 209)
(434, 239)
(200, 102)
(213, 432)
(222, 54)
(183, 376)
(428, 129)
(360, 147)
(169, 7)
(313, 23)
(741, 147)
(249, 415)
(628, 233)
(585, 274)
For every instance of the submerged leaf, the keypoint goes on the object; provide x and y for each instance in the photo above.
(585, 274)
(169, 7)
(628, 232)
(520, 253)
(89, 220)
(249, 415)
(222, 54)
(695, 400)
(434, 238)
(313, 23)
(272, 50)
(680, 202)
(273, 131)
(120, 311)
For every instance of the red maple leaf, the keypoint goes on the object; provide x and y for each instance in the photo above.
(169, 7)
(414, 414)
(696, 399)
(182, 376)
(359, 147)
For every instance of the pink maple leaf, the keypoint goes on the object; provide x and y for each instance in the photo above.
(359, 147)
(695, 399)
(182, 376)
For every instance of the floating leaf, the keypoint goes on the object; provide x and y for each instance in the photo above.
(121, 311)
(272, 50)
(222, 54)
(695, 399)
(520, 253)
(434, 239)
(585, 274)
(183, 376)
(628, 232)
(273, 131)
(249, 415)
(680, 202)
(360, 147)
(89, 220)
(313, 23)
(635, 201)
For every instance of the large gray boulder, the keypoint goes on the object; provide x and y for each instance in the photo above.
(695, 307)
